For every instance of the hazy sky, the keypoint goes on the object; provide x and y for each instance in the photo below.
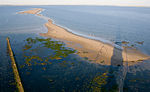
(78, 2)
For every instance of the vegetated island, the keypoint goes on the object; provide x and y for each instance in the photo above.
(93, 50)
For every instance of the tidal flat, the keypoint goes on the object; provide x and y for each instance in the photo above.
(63, 60)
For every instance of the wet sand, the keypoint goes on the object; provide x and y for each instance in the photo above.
(33, 11)
(93, 50)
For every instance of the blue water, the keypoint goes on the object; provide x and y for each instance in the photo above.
(111, 23)
(72, 73)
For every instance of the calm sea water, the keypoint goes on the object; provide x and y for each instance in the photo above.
(43, 68)
(111, 23)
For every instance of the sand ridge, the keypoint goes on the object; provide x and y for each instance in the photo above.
(94, 50)
(33, 11)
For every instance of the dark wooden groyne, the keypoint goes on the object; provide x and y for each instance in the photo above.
(14, 67)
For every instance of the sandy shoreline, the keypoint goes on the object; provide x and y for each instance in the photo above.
(94, 50)
(33, 11)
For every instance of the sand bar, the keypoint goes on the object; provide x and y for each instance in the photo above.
(33, 11)
(94, 50)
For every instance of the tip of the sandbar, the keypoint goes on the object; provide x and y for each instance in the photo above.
(7, 38)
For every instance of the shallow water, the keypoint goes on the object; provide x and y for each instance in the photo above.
(47, 65)
(111, 23)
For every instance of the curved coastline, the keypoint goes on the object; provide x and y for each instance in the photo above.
(95, 50)
(86, 36)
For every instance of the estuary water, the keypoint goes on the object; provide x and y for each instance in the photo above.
(47, 65)
(105, 22)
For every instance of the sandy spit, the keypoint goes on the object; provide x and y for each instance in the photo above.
(94, 50)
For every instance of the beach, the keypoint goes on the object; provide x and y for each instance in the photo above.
(75, 48)
(93, 50)
(33, 11)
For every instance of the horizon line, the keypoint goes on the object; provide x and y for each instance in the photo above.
(71, 5)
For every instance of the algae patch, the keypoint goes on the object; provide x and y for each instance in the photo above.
(40, 51)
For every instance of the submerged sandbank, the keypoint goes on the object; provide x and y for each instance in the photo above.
(94, 50)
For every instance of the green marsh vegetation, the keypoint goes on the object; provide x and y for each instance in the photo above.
(97, 83)
(100, 82)
(40, 51)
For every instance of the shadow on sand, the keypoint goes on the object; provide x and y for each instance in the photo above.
(117, 68)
